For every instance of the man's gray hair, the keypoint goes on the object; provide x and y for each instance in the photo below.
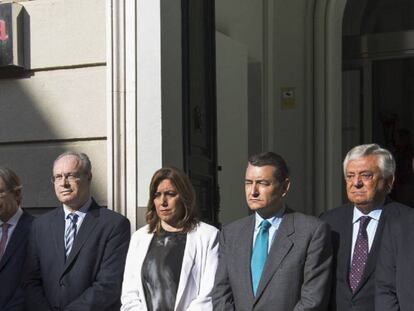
(85, 163)
(386, 161)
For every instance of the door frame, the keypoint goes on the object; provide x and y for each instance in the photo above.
(327, 36)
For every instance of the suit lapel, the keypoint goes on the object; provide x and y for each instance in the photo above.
(58, 235)
(188, 263)
(244, 255)
(345, 252)
(88, 225)
(19, 235)
(281, 246)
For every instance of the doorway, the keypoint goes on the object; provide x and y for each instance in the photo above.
(377, 80)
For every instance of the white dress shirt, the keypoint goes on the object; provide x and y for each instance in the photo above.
(80, 212)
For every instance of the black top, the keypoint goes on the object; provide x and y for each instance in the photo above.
(161, 270)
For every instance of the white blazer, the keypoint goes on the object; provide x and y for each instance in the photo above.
(197, 272)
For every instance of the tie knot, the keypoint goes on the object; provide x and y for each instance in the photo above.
(73, 218)
(265, 225)
(363, 221)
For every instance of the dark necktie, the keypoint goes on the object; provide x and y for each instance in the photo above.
(259, 254)
(4, 236)
(70, 233)
(360, 256)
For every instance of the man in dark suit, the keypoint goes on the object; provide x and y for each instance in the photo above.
(14, 231)
(357, 226)
(275, 259)
(76, 252)
(394, 274)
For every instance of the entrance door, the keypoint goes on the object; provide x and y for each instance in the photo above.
(199, 104)
(378, 74)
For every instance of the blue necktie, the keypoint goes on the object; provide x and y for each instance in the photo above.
(259, 254)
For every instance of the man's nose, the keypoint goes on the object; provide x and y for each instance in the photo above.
(254, 190)
(64, 181)
(357, 181)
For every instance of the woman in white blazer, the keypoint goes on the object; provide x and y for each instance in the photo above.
(172, 261)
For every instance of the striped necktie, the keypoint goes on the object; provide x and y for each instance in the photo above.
(70, 233)
(259, 254)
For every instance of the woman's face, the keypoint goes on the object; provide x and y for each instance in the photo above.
(167, 205)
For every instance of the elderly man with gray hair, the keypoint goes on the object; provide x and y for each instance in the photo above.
(357, 226)
(76, 252)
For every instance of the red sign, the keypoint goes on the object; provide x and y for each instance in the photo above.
(11, 35)
(3, 31)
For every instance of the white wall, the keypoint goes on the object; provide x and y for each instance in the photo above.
(64, 33)
(291, 125)
(232, 126)
(59, 104)
(242, 20)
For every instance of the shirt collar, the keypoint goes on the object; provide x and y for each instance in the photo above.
(15, 218)
(374, 214)
(274, 221)
(80, 212)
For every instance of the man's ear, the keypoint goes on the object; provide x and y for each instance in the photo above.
(285, 186)
(389, 182)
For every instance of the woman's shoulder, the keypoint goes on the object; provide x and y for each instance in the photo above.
(205, 229)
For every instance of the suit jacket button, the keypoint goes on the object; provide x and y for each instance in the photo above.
(62, 284)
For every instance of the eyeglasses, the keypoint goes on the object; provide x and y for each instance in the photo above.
(365, 176)
(70, 177)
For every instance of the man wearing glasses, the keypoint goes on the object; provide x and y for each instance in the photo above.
(357, 226)
(76, 252)
(14, 231)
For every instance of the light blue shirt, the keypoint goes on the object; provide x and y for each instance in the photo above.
(275, 223)
(371, 228)
(13, 223)
(80, 212)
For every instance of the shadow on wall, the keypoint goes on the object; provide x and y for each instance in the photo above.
(46, 111)
(38, 121)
